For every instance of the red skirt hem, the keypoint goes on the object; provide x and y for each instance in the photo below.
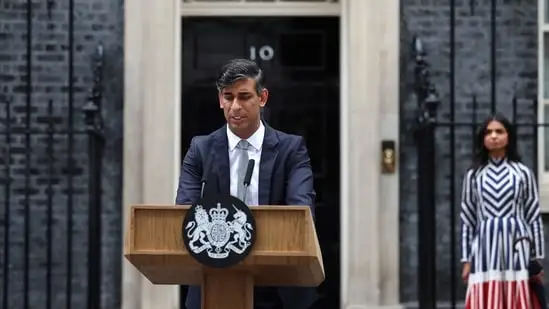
(501, 295)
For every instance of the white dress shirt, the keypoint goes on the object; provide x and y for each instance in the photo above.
(254, 152)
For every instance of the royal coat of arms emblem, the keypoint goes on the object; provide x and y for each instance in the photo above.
(220, 235)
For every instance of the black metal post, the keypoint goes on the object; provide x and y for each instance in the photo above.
(453, 215)
(473, 123)
(28, 151)
(535, 141)
(70, 154)
(514, 104)
(428, 103)
(49, 193)
(95, 149)
(7, 209)
(493, 54)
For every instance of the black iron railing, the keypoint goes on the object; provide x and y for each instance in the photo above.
(433, 129)
(40, 162)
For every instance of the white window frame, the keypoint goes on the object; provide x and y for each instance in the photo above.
(543, 29)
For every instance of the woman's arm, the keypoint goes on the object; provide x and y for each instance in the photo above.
(532, 214)
(468, 216)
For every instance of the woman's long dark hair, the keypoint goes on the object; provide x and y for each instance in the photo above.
(482, 154)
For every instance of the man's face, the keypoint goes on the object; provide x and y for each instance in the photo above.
(241, 105)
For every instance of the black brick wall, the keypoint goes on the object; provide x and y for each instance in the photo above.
(95, 22)
(101, 21)
(516, 75)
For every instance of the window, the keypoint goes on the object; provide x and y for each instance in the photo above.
(543, 99)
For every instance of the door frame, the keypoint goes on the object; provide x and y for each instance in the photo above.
(369, 235)
(282, 9)
(330, 10)
(278, 9)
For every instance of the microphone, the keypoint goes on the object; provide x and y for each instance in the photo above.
(205, 173)
(248, 177)
(204, 180)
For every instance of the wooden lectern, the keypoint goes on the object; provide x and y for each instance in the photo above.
(286, 253)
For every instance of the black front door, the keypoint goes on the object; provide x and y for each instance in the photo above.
(300, 57)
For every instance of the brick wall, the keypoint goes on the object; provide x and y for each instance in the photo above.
(100, 21)
(95, 22)
(516, 74)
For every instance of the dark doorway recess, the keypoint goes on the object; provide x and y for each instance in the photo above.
(300, 57)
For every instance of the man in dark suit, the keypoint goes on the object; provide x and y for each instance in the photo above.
(284, 176)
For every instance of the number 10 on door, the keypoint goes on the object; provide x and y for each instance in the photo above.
(265, 53)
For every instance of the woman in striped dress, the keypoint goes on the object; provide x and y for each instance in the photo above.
(501, 224)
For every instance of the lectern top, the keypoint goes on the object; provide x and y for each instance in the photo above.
(286, 249)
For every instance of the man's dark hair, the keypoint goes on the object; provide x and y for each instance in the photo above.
(239, 69)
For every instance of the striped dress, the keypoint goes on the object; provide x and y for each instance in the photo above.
(501, 231)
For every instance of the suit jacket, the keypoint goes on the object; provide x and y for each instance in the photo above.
(285, 178)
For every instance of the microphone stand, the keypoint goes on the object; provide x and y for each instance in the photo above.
(245, 194)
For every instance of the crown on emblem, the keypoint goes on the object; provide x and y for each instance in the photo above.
(219, 213)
